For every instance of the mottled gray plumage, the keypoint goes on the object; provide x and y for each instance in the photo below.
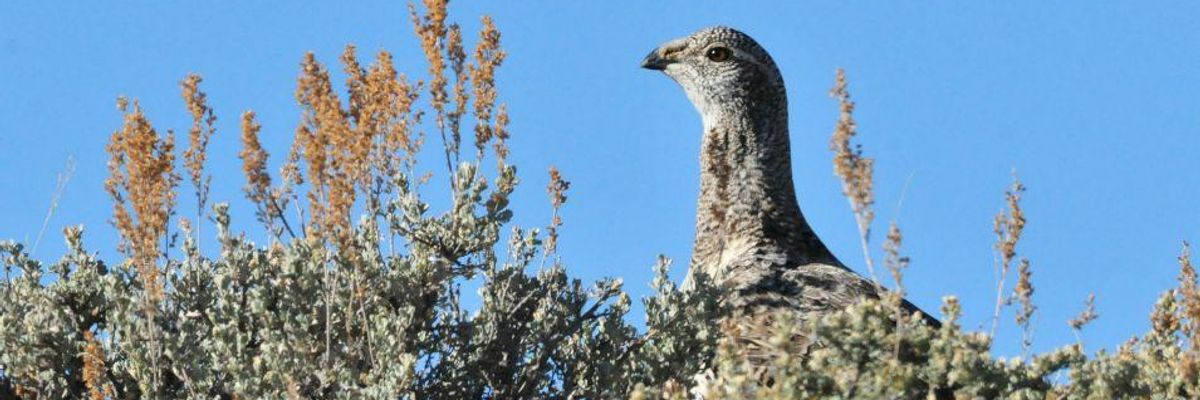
(750, 234)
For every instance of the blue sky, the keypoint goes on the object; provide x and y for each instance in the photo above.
(1094, 105)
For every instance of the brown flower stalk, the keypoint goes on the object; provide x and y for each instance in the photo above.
(268, 205)
(488, 57)
(290, 171)
(1008, 226)
(1189, 294)
(334, 154)
(254, 161)
(1085, 317)
(854, 170)
(501, 132)
(350, 153)
(431, 29)
(94, 369)
(557, 189)
(199, 134)
(381, 111)
(362, 120)
(1189, 319)
(142, 184)
(458, 64)
(290, 177)
(896, 264)
(395, 97)
(1023, 292)
(1164, 319)
(892, 259)
(400, 140)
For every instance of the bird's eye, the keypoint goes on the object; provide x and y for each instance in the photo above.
(718, 54)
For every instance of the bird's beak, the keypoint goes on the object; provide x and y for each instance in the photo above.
(656, 61)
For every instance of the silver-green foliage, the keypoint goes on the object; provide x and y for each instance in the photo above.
(294, 320)
(298, 320)
(858, 358)
(379, 312)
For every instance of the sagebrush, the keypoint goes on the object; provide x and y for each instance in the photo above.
(357, 292)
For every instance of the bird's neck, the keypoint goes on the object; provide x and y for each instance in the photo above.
(747, 213)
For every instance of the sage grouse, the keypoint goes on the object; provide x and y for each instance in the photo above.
(751, 237)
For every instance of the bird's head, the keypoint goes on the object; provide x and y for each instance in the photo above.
(716, 64)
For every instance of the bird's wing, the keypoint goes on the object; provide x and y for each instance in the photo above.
(813, 288)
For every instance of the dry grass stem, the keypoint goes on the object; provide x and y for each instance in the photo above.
(60, 189)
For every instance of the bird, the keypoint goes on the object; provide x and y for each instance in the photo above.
(751, 238)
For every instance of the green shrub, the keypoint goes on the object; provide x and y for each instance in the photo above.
(357, 293)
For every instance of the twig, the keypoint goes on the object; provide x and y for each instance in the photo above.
(863, 237)
(64, 177)
(282, 218)
(903, 195)
(553, 340)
